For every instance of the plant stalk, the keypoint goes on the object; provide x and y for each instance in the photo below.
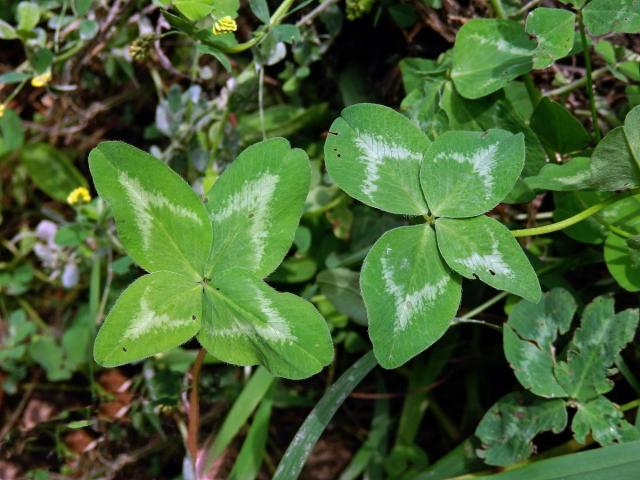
(194, 408)
(587, 64)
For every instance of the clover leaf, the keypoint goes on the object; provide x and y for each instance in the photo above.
(206, 264)
(409, 280)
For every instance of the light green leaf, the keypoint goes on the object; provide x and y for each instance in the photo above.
(374, 153)
(341, 287)
(7, 32)
(155, 313)
(604, 16)
(28, 15)
(554, 30)
(594, 348)
(256, 205)
(604, 420)
(623, 259)
(246, 322)
(483, 248)
(508, 428)
(225, 8)
(161, 222)
(557, 128)
(51, 170)
(410, 294)
(465, 174)
(570, 176)
(528, 338)
(615, 163)
(488, 54)
(194, 10)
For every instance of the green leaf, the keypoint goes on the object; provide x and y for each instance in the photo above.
(570, 176)
(247, 464)
(260, 9)
(246, 322)
(51, 170)
(604, 16)
(483, 248)
(465, 174)
(255, 207)
(302, 444)
(410, 294)
(557, 128)
(594, 348)
(488, 54)
(225, 8)
(341, 287)
(623, 261)
(251, 396)
(508, 428)
(161, 222)
(194, 10)
(155, 313)
(12, 132)
(7, 32)
(374, 153)
(554, 30)
(615, 163)
(216, 53)
(528, 338)
(28, 15)
(618, 462)
(603, 420)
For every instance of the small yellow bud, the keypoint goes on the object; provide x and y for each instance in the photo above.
(41, 80)
(79, 195)
(225, 25)
(3, 107)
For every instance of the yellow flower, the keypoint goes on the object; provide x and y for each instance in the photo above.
(225, 25)
(41, 80)
(79, 195)
(3, 107)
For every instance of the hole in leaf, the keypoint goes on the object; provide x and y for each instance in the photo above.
(124, 349)
(193, 317)
(333, 133)
(475, 275)
(338, 155)
(492, 272)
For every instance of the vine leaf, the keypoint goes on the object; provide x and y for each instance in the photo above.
(483, 248)
(622, 257)
(410, 294)
(557, 128)
(604, 420)
(465, 174)
(161, 222)
(246, 322)
(507, 430)
(615, 163)
(155, 313)
(570, 176)
(594, 348)
(255, 207)
(554, 29)
(488, 54)
(529, 336)
(374, 154)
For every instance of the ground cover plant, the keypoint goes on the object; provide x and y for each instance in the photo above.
(382, 239)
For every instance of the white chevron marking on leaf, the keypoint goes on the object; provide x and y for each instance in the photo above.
(409, 303)
(482, 161)
(148, 320)
(142, 201)
(493, 261)
(502, 45)
(374, 150)
(575, 178)
(255, 197)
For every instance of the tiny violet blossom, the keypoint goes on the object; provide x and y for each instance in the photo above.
(225, 25)
(41, 80)
(79, 195)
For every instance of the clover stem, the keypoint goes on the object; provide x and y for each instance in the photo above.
(587, 64)
(194, 408)
(498, 10)
(578, 217)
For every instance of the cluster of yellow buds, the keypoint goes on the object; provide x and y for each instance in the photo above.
(357, 8)
(41, 80)
(140, 47)
(79, 195)
(224, 25)
(3, 107)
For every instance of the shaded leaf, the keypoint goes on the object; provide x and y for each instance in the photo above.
(604, 16)
(557, 128)
(570, 176)
(554, 29)
(604, 421)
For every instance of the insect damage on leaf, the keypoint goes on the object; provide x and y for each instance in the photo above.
(492, 262)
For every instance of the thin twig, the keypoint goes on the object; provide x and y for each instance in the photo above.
(194, 408)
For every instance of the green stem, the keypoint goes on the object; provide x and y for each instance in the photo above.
(532, 91)
(578, 217)
(587, 63)
(570, 87)
(15, 92)
(496, 5)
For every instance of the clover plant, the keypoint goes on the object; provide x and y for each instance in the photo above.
(206, 261)
(411, 278)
